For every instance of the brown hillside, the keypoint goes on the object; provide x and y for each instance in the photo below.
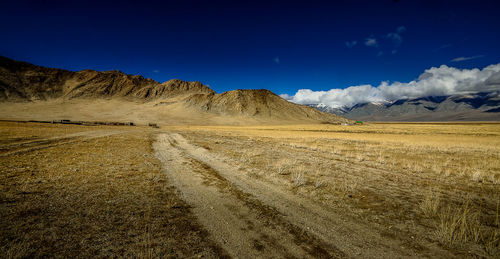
(257, 103)
(21, 81)
(49, 93)
(172, 88)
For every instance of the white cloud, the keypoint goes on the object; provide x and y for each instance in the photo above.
(286, 96)
(156, 71)
(276, 60)
(466, 58)
(395, 37)
(351, 44)
(371, 42)
(434, 81)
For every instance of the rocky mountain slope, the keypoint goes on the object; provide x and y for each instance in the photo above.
(21, 82)
(261, 102)
(24, 83)
(469, 107)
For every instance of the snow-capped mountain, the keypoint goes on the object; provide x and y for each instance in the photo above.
(482, 106)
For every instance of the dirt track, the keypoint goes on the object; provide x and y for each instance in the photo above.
(213, 193)
(250, 218)
(91, 192)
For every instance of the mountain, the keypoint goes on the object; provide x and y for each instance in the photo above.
(21, 82)
(481, 106)
(28, 91)
(261, 102)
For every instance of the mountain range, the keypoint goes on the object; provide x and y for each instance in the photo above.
(480, 106)
(29, 91)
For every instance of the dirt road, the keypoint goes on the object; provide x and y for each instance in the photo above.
(252, 218)
(91, 192)
(183, 192)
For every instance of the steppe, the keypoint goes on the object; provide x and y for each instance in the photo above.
(378, 190)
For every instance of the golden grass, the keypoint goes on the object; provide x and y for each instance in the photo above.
(430, 204)
(419, 183)
(458, 225)
(381, 173)
(20, 131)
(97, 197)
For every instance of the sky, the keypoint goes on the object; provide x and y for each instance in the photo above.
(283, 46)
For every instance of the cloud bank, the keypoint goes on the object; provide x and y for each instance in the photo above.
(435, 81)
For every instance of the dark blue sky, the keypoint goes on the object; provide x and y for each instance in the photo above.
(279, 45)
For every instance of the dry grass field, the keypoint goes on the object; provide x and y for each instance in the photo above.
(433, 188)
(80, 191)
(370, 191)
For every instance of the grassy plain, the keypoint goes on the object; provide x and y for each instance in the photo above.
(80, 191)
(68, 190)
(424, 184)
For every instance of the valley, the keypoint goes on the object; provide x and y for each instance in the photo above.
(373, 190)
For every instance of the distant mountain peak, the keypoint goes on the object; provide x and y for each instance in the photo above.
(468, 106)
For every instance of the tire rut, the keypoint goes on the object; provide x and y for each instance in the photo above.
(271, 216)
(341, 236)
(237, 221)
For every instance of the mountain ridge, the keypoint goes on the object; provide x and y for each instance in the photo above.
(22, 82)
(458, 107)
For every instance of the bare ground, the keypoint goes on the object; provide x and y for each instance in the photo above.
(277, 192)
(371, 191)
(85, 192)
(248, 217)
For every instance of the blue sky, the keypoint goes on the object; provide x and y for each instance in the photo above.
(283, 46)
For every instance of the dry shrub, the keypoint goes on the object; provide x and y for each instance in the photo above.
(477, 176)
(492, 239)
(458, 226)
(430, 205)
(319, 183)
(495, 178)
(282, 167)
(345, 186)
(299, 179)
(492, 243)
